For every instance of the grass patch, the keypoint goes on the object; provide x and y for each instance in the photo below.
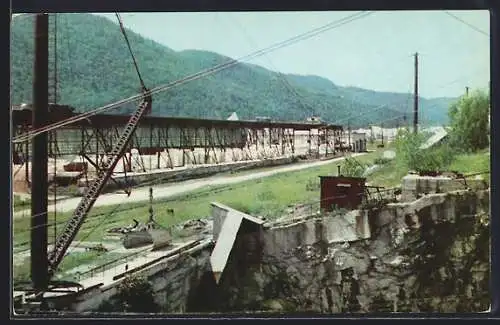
(390, 174)
(268, 197)
(471, 163)
(22, 271)
(20, 204)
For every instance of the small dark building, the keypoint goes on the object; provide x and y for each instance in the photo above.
(341, 192)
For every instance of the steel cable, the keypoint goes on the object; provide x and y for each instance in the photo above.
(195, 76)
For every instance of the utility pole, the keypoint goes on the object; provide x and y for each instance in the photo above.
(39, 192)
(349, 134)
(382, 132)
(466, 91)
(415, 103)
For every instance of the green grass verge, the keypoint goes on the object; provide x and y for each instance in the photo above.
(20, 204)
(268, 196)
(71, 261)
(472, 163)
(391, 173)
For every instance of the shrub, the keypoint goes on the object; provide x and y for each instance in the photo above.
(410, 156)
(352, 168)
(434, 159)
(469, 122)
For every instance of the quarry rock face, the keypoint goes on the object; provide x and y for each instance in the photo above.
(421, 257)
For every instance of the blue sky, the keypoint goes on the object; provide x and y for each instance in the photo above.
(374, 52)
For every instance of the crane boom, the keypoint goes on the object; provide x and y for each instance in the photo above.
(94, 189)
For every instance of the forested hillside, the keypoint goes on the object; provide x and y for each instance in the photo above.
(95, 68)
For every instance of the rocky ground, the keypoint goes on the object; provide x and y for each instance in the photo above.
(412, 264)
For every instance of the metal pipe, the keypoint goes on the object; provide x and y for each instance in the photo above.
(39, 192)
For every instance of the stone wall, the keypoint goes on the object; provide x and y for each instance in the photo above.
(431, 255)
(172, 279)
(428, 255)
(334, 228)
(414, 186)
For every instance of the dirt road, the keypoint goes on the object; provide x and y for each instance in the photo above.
(168, 190)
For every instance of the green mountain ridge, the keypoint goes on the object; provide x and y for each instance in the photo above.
(95, 68)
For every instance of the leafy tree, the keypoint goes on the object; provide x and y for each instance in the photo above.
(469, 122)
(410, 156)
(407, 145)
(351, 167)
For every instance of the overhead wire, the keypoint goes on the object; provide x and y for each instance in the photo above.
(195, 76)
(95, 227)
(156, 181)
(386, 105)
(120, 23)
(54, 212)
(281, 77)
(476, 72)
(466, 23)
(381, 106)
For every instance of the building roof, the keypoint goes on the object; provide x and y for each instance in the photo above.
(439, 134)
(233, 117)
(23, 117)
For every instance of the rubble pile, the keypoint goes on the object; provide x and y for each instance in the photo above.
(202, 226)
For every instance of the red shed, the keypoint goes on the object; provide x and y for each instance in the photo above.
(342, 192)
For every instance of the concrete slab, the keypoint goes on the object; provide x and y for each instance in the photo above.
(225, 242)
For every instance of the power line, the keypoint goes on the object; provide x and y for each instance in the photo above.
(91, 218)
(281, 77)
(130, 49)
(467, 24)
(93, 229)
(195, 76)
(398, 101)
(158, 180)
(478, 71)
(200, 74)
